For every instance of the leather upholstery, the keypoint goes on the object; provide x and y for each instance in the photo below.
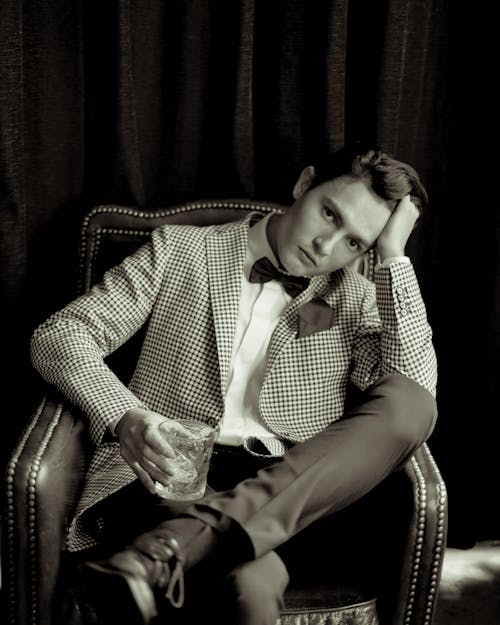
(383, 554)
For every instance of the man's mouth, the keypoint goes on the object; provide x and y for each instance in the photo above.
(308, 256)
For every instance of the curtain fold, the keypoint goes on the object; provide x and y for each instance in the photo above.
(13, 231)
(13, 234)
(243, 121)
(150, 103)
(299, 88)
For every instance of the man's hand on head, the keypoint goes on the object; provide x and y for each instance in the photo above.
(144, 444)
(393, 238)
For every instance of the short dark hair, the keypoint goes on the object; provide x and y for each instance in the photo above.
(390, 179)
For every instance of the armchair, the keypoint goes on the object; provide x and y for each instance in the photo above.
(383, 554)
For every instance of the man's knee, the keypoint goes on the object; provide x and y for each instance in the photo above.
(409, 409)
(256, 590)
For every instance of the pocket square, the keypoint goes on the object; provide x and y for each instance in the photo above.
(315, 316)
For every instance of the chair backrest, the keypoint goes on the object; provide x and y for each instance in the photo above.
(112, 232)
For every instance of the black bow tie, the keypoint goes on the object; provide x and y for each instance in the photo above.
(263, 270)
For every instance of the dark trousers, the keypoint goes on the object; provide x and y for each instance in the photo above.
(316, 478)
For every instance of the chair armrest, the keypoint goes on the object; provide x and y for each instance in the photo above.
(424, 544)
(44, 480)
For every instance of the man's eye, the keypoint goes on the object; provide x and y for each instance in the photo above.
(329, 214)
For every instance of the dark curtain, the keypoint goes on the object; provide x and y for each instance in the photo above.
(149, 103)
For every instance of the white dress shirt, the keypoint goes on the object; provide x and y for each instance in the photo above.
(261, 306)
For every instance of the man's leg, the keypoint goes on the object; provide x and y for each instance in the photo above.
(249, 594)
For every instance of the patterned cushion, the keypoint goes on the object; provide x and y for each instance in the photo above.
(363, 613)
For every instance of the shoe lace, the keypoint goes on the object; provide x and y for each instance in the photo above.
(175, 588)
(165, 575)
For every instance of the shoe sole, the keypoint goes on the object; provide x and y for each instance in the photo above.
(119, 597)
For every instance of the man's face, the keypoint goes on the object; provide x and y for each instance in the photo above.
(328, 227)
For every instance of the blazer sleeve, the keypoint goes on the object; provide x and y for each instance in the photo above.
(394, 336)
(68, 349)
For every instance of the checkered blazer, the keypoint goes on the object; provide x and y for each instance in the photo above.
(185, 284)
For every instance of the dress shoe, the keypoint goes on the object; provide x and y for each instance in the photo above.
(127, 587)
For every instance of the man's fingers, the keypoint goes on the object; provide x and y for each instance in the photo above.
(163, 464)
(405, 202)
(157, 436)
(406, 205)
(144, 477)
(154, 472)
(149, 473)
(155, 439)
(170, 425)
(143, 466)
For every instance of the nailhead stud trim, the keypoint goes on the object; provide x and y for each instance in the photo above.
(421, 502)
(32, 550)
(440, 539)
(250, 205)
(11, 470)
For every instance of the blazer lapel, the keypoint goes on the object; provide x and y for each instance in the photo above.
(286, 330)
(226, 251)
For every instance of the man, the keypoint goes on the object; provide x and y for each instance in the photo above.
(268, 362)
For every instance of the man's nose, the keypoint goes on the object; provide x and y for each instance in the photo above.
(325, 243)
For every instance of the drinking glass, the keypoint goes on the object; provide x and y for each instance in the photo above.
(192, 460)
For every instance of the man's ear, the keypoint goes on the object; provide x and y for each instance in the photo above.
(304, 182)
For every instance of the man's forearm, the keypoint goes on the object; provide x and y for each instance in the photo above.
(406, 337)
